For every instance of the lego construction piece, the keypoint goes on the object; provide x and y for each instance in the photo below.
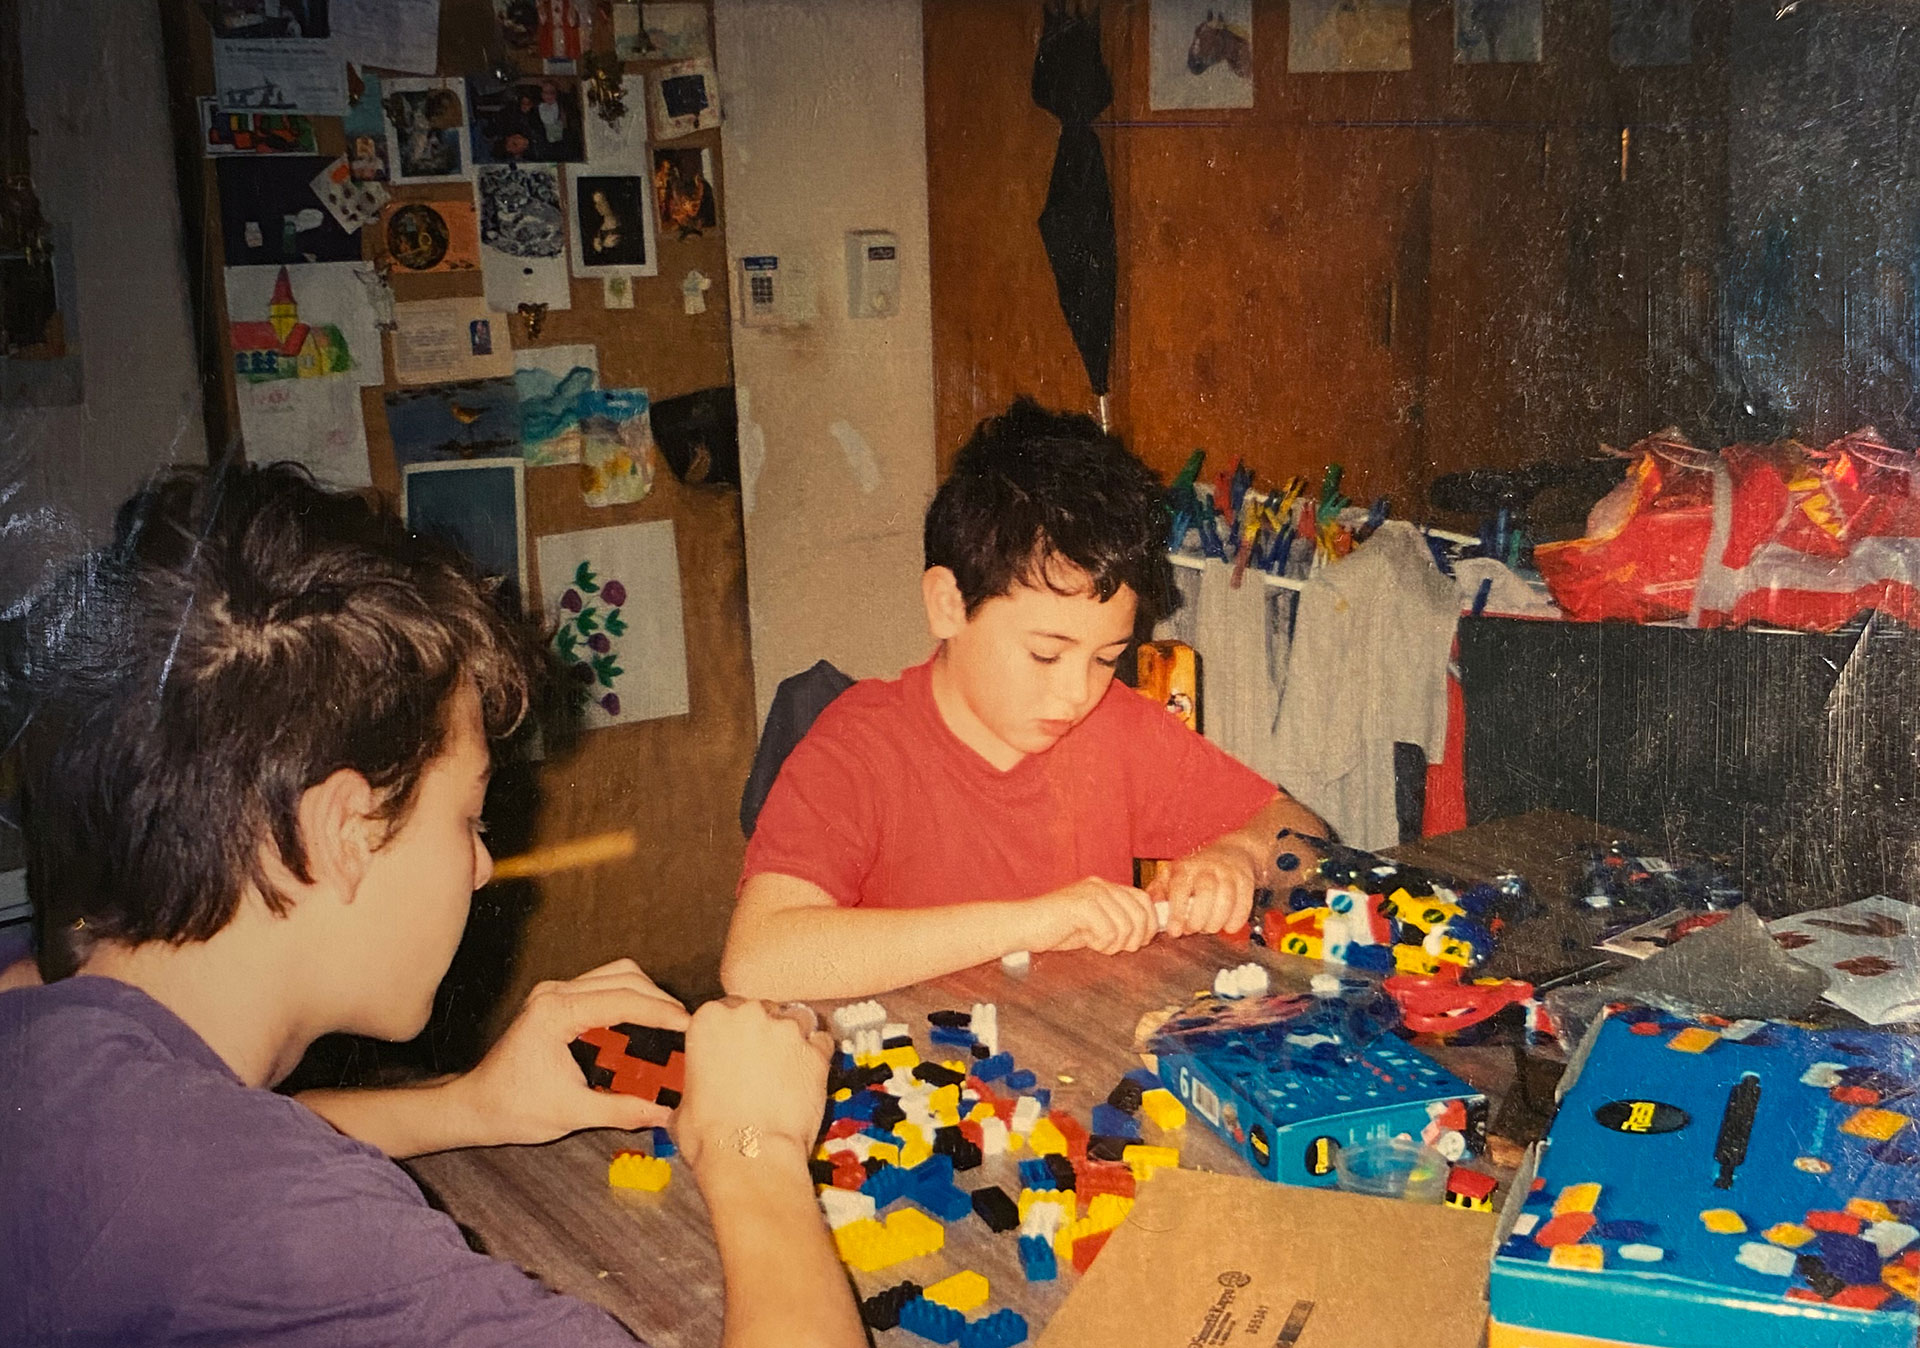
(1163, 1109)
(1036, 1259)
(637, 1170)
(637, 1060)
(996, 1209)
(1004, 1328)
(964, 1291)
(1723, 1221)
(881, 1311)
(930, 1320)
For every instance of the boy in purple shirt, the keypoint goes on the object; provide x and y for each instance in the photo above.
(255, 752)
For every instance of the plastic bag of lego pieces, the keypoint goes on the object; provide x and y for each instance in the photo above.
(1288, 1033)
(1617, 879)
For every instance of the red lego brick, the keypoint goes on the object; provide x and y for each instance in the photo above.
(1087, 1248)
(1844, 1222)
(1103, 1177)
(1073, 1131)
(1569, 1228)
(844, 1128)
(971, 1132)
(1855, 1095)
(1860, 1296)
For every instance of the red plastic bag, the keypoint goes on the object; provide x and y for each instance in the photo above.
(1645, 540)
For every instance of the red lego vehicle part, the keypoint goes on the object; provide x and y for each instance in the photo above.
(1444, 1004)
(636, 1060)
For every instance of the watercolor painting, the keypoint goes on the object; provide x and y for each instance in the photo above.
(557, 388)
(613, 597)
(478, 419)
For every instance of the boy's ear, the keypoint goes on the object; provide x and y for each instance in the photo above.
(946, 609)
(338, 829)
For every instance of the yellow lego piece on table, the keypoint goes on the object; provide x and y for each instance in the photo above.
(844, 1093)
(1899, 1278)
(869, 1245)
(1046, 1140)
(1877, 1124)
(1587, 1258)
(955, 1065)
(903, 1057)
(1790, 1234)
(913, 1153)
(915, 1233)
(859, 1244)
(1871, 1210)
(980, 1113)
(884, 1151)
(1577, 1198)
(1163, 1109)
(963, 1292)
(1143, 1161)
(637, 1170)
(1107, 1211)
(1723, 1221)
(946, 1100)
(1694, 1039)
(1059, 1197)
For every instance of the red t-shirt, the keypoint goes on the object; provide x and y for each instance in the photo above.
(882, 806)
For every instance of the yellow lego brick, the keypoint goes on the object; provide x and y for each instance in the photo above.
(1790, 1234)
(915, 1233)
(981, 1112)
(859, 1243)
(1143, 1161)
(1899, 1278)
(1694, 1039)
(903, 1057)
(1107, 1211)
(1877, 1124)
(1577, 1198)
(843, 1094)
(964, 1291)
(1058, 1197)
(1723, 1221)
(909, 1132)
(1411, 959)
(1163, 1109)
(955, 1065)
(1589, 1258)
(884, 1151)
(1063, 1243)
(1014, 1142)
(636, 1170)
(913, 1153)
(945, 1100)
(1871, 1210)
(1046, 1140)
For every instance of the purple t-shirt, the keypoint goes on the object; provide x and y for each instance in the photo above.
(147, 1196)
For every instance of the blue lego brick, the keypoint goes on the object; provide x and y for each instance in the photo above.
(881, 1135)
(1036, 1258)
(663, 1146)
(992, 1069)
(1045, 1097)
(887, 1184)
(1004, 1328)
(1110, 1122)
(954, 1038)
(933, 1170)
(944, 1201)
(860, 1105)
(1034, 1174)
(1145, 1079)
(930, 1320)
(1022, 1080)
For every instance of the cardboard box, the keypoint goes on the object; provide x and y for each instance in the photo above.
(1205, 1261)
(1282, 1080)
(1751, 1184)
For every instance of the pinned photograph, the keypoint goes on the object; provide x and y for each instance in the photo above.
(267, 18)
(354, 204)
(1488, 32)
(674, 32)
(426, 130)
(270, 215)
(479, 508)
(612, 597)
(305, 76)
(552, 383)
(478, 419)
(683, 189)
(302, 322)
(1652, 33)
(1342, 36)
(365, 126)
(683, 98)
(523, 237)
(253, 132)
(535, 120)
(430, 236)
(612, 224)
(542, 30)
(1202, 54)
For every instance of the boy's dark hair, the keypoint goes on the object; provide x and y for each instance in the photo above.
(1032, 486)
(244, 636)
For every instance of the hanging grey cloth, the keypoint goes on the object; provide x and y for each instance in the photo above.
(1070, 80)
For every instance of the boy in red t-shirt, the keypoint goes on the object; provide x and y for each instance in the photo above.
(993, 799)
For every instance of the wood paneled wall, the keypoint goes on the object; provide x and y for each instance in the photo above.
(1407, 273)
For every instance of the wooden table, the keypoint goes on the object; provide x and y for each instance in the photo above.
(649, 1259)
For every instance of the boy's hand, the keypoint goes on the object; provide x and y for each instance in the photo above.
(529, 1089)
(1208, 890)
(756, 1078)
(1099, 915)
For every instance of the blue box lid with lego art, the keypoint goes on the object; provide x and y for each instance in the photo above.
(1291, 1080)
(1714, 1183)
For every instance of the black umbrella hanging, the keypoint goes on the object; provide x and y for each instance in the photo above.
(1070, 80)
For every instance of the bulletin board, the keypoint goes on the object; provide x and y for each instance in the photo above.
(361, 271)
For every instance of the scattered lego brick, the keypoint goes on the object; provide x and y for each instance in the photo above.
(638, 1060)
(1788, 1235)
(941, 1324)
(1768, 1259)
(1145, 1160)
(1087, 1249)
(1125, 1097)
(1693, 1039)
(1723, 1221)
(1879, 1125)
(1004, 1328)
(1163, 1109)
(1586, 1258)
(1569, 1228)
(637, 1170)
(1577, 1198)
(1111, 1122)
(964, 1291)
(881, 1311)
(1036, 1259)
(996, 1209)
(1844, 1222)
(1045, 1138)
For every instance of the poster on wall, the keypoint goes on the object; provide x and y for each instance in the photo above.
(303, 324)
(1332, 36)
(621, 144)
(523, 237)
(616, 447)
(553, 384)
(1201, 54)
(270, 215)
(391, 34)
(426, 130)
(683, 190)
(445, 423)
(353, 203)
(1488, 32)
(613, 598)
(479, 507)
(253, 132)
(298, 75)
(422, 236)
(1652, 33)
(682, 98)
(612, 223)
(438, 341)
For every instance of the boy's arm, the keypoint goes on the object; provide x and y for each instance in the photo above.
(790, 940)
(1211, 889)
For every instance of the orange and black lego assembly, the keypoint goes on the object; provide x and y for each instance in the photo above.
(634, 1060)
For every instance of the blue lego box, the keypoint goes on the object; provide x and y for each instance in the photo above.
(1291, 1080)
(1707, 1183)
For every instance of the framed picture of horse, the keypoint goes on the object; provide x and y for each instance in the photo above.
(1202, 54)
